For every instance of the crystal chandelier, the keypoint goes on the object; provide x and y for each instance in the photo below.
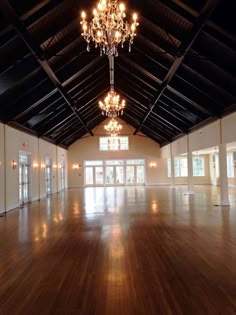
(113, 128)
(108, 28)
(112, 106)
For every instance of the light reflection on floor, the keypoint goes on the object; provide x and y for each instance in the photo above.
(124, 201)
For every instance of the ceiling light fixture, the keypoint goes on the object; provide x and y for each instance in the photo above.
(112, 106)
(113, 128)
(108, 28)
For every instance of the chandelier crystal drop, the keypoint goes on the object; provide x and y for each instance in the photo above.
(112, 106)
(108, 28)
(113, 128)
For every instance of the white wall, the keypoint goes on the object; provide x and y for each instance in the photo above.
(19, 141)
(140, 147)
(179, 146)
(206, 137)
(229, 128)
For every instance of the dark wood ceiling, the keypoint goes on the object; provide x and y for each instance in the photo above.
(180, 73)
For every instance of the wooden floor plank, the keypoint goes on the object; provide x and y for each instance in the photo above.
(126, 250)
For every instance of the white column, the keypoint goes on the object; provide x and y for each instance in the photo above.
(4, 162)
(39, 172)
(234, 166)
(172, 165)
(224, 192)
(190, 168)
(57, 174)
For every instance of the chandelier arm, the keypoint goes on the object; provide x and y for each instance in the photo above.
(109, 28)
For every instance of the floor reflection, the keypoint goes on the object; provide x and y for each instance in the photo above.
(116, 248)
(23, 227)
(116, 269)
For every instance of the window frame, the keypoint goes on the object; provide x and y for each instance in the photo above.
(122, 146)
(203, 168)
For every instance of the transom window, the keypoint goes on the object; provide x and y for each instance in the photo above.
(113, 143)
(135, 162)
(93, 163)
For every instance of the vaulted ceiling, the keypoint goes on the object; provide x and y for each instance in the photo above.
(179, 75)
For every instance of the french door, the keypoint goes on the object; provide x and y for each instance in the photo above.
(114, 173)
(135, 175)
(24, 178)
(94, 176)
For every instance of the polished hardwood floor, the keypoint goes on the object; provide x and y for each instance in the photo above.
(128, 251)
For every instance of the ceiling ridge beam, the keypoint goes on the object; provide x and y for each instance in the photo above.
(181, 53)
(38, 53)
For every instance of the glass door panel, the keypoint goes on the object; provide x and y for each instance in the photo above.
(99, 175)
(130, 175)
(140, 174)
(110, 175)
(48, 177)
(89, 175)
(24, 177)
(119, 175)
(21, 183)
(26, 183)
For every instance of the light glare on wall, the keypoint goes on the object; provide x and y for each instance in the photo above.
(75, 166)
(35, 165)
(43, 165)
(153, 164)
(13, 164)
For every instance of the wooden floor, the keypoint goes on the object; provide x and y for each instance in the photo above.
(120, 251)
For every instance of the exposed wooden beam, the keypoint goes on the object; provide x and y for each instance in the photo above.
(33, 106)
(182, 51)
(38, 53)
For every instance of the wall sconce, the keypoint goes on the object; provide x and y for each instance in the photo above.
(13, 164)
(75, 166)
(59, 166)
(43, 165)
(54, 166)
(35, 165)
(153, 164)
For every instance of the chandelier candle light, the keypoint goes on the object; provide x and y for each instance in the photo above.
(112, 106)
(108, 28)
(113, 128)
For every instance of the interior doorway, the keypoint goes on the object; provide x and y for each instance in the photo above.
(24, 177)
